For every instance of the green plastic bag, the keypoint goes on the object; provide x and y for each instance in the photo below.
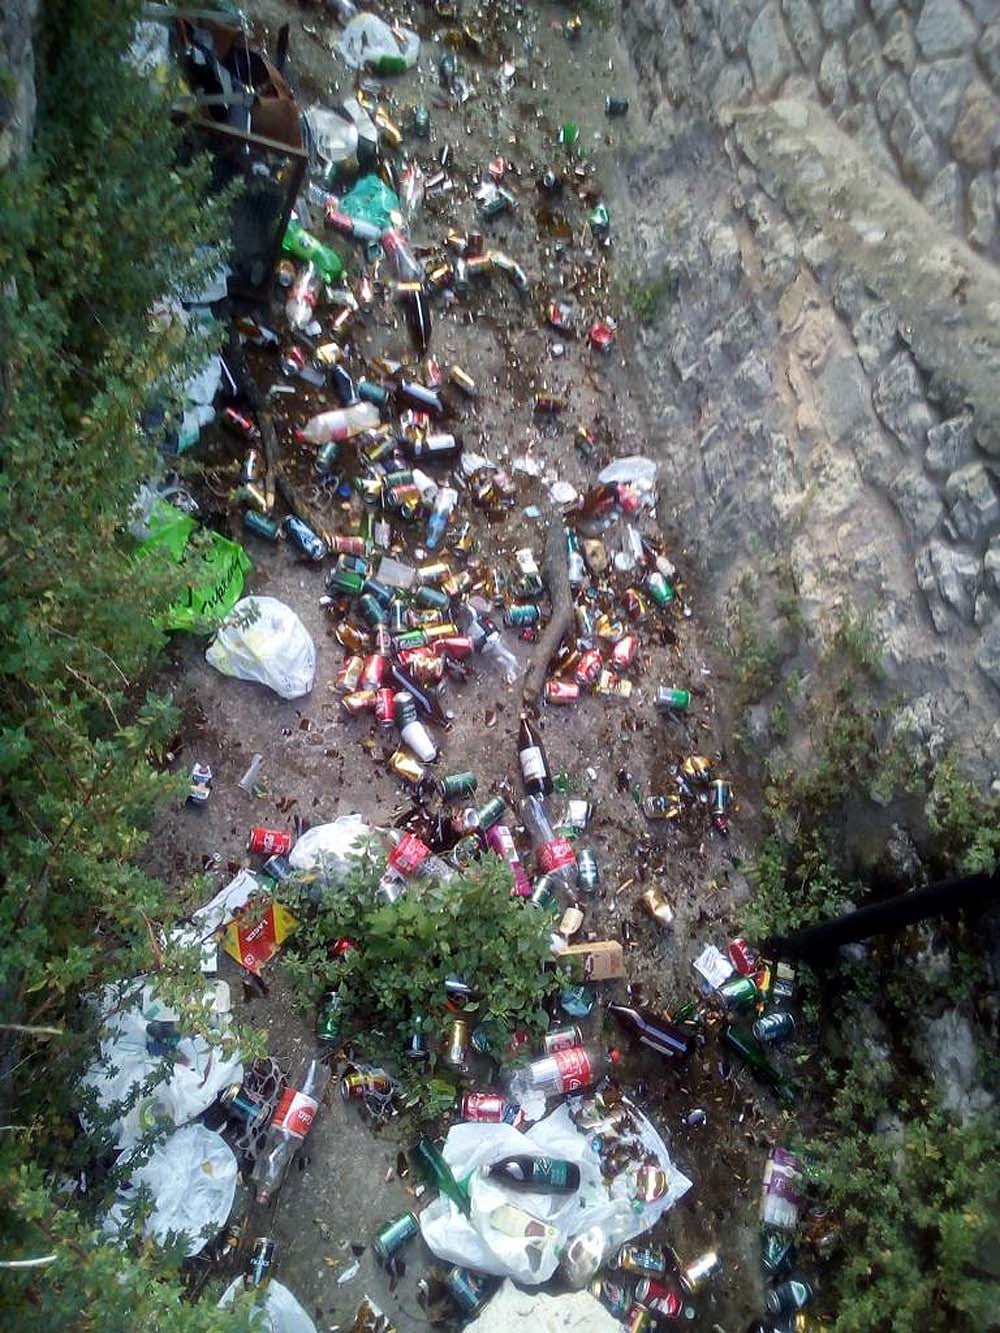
(372, 201)
(223, 567)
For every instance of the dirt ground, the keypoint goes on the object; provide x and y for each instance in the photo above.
(319, 763)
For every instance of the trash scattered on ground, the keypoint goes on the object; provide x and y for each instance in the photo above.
(367, 467)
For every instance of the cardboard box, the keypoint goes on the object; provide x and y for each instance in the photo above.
(602, 960)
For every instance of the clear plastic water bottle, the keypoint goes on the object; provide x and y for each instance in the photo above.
(554, 856)
(292, 1121)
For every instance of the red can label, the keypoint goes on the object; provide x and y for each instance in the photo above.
(561, 691)
(295, 1112)
(373, 671)
(458, 646)
(575, 1069)
(483, 1106)
(742, 957)
(625, 651)
(410, 853)
(385, 707)
(588, 669)
(269, 842)
(554, 855)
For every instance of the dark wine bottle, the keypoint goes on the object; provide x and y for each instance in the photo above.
(653, 1030)
(535, 769)
(543, 1175)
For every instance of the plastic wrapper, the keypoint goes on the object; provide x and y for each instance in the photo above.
(274, 1310)
(197, 1071)
(263, 640)
(474, 1242)
(192, 1179)
(368, 37)
(331, 848)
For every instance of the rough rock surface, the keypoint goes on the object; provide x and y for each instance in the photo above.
(831, 398)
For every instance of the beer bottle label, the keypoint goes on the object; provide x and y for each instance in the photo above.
(574, 1067)
(409, 854)
(295, 1112)
(549, 1170)
(532, 764)
(555, 854)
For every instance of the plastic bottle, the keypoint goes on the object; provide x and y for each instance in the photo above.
(408, 855)
(406, 266)
(542, 1175)
(411, 191)
(301, 244)
(339, 424)
(303, 297)
(574, 559)
(569, 1070)
(412, 731)
(292, 1121)
(554, 856)
(444, 504)
(488, 640)
(499, 839)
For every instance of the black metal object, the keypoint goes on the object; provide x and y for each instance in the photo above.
(945, 898)
(271, 174)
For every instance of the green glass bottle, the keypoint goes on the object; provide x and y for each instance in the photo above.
(753, 1056)
(301, 244)
(387, 64)
(436, 1171)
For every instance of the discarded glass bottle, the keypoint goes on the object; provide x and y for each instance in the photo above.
(303, 296)
(543, 1175)
(436, 1171)
(753, 1056)
(653, 1030)
(292, 1121)
(535, 771)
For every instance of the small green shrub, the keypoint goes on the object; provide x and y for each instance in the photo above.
(965, 823)
(915, 1211)
(470, 928)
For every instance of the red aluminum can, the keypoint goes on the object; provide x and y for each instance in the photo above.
(485, 1107)
(424, 665)
(589, 667)
(561, 691)
(382, 640)
(349, 674)
(457, 646)
(358, 702)
(601, 336)
(385, 707)
(269, 841)
(347, 545)
(373, 672)
(743, 957)
(625, 651)
(665, 1301)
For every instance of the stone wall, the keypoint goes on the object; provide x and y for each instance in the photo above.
(916, 81)
(820, 176)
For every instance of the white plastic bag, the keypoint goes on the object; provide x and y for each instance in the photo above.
(474, 1242)
(367, 37)
(275, 1309)
(263, 640)
(198, 1070)
(192, 1178)
(633, 470)
(331, 846)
